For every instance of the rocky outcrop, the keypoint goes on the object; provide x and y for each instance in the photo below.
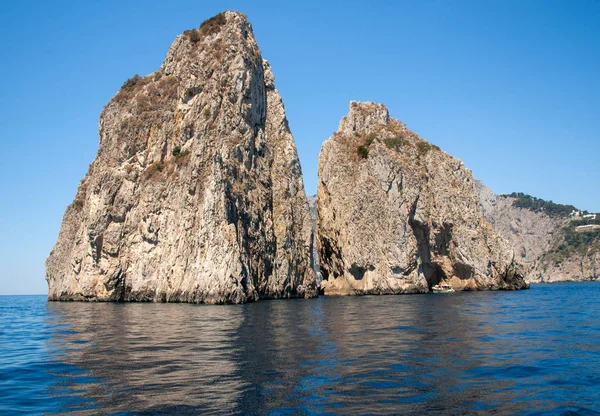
(398, 215)
(573, 267)
(196, 192)
(547, 245)
(312, 209)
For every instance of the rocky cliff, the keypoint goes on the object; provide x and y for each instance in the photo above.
(398, 215)
(196, 192)
(545, 240)
(312, 209)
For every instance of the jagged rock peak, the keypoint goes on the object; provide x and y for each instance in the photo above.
(363, 116)
(196, 192)
(215, 37)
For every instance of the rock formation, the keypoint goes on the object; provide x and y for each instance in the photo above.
(312, 209)
(196, 192)
(398, 215)
(547, 243)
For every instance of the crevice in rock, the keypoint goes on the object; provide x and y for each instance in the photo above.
(327, 252)
(443, 239)
(96, 246)
(432, 271)
(115, 285)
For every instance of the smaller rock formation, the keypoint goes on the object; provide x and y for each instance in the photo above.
(398, 215)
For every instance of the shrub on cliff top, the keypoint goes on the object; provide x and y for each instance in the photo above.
(132, 82)
(212, 25)
(194, 35)
(425, 147)
(130, 87)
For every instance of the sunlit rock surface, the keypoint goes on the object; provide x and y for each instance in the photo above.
(196, 192)
(398, 215)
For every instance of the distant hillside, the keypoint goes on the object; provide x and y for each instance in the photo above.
(574, 242)
(556, 242)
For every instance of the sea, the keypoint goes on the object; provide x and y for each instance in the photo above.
(531, 352)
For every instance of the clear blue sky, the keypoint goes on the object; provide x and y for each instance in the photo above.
(512, 88)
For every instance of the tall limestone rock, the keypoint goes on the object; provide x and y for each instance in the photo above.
(196, 192)
(398, 215)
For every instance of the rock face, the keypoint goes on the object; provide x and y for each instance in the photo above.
(575, 267)
(398, 215)
(547, 245)
(196, 192)
(312, 209)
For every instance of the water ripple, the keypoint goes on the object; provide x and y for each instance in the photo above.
(530, 352)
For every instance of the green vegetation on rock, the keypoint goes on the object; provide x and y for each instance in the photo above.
(580, 242)
(212, 25)
(207, 28)
(574, 244)
(424, 147)
(194, 35)
(394, 143)
(178, 153)
(539, 205)
(362, 151)
(132, 82)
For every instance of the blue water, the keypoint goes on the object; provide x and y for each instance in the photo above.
(527, 352)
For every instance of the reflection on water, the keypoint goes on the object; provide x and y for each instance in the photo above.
(152, 357)
(516, 352)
